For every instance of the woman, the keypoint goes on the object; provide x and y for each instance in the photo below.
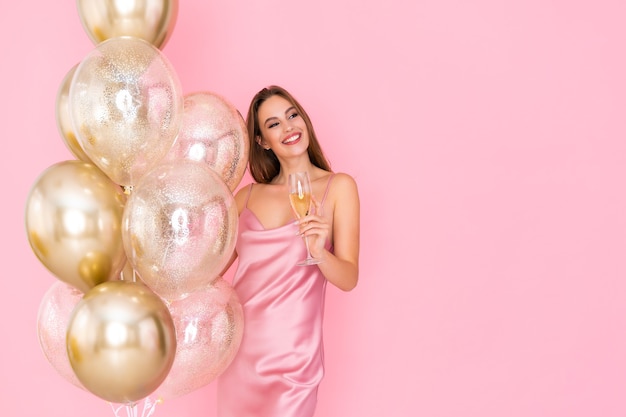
(279, 365)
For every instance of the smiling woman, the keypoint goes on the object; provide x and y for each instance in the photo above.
(486, 139)
(279, 365)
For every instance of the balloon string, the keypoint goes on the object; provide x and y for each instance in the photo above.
(131, 409)
(149, 407)
(125, 278)
(116, 410)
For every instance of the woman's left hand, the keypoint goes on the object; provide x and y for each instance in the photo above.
(315, 227)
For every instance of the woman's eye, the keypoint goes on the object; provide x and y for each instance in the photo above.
(272, 125)
(293, 115)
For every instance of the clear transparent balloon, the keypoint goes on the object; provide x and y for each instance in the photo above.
(179, 228)
(121, 341)
(209, 327)
(55, 310)
(126, 107)
(213, 132)
(74, 224)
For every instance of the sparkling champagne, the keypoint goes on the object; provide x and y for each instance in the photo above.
(300, 202)
(300, 198)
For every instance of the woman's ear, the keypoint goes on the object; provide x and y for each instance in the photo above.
(262, 143)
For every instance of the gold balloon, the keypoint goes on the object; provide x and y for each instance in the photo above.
(150, 20)
(179, 227)
(73, 221)
(215, 133)
(209, 328)
(126, 107)
(64, 121)
(121, 341)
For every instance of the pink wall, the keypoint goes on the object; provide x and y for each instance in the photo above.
(497, 289)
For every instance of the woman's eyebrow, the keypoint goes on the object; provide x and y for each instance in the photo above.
(269, 118)
(274, 117)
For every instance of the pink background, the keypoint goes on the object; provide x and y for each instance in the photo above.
(488, 141)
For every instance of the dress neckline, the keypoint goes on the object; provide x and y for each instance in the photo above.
(262, 225)
(332, 174)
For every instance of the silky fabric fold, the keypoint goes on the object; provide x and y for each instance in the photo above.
(280, 362)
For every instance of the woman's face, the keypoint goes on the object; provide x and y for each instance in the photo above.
(282, 128)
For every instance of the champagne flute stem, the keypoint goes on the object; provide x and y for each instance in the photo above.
(308, 251)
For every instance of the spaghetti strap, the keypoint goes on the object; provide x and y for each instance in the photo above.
(327, 188)
(248, 196)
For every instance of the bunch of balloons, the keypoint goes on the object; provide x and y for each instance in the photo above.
(139, 227)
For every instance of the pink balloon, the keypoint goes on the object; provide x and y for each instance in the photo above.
(209, 328)
(213, 132)
(53, 317)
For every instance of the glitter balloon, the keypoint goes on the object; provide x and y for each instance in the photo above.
(179, 228)
(126, 107)
(209, 327)
(214, 132)
(53, 316)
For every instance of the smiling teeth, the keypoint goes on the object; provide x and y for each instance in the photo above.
(291, 139)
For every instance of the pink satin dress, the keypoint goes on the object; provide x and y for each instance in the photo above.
(280, 362)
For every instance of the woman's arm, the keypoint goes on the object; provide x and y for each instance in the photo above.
(341, 268)
(240, 200)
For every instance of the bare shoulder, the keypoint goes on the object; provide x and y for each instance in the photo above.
(242, 193)
(344, 183)
(343, 191)
(241, 197)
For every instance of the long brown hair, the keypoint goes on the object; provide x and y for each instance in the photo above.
(264, 165)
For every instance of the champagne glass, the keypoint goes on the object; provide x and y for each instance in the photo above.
(300, 199)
